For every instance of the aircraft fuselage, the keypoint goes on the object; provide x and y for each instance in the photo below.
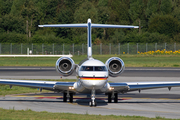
(93, 74)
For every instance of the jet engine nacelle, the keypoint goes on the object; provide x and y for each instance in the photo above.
(115, 66)
(65, 66)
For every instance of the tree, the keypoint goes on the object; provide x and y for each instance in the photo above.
(118, 15)
(30, 13)
(152, 7)
(118, 37)
(5, 6)
(103, 17)
(64, 16)
(177, 38)
(176, 13)
(103, 11)
(137, 12)
(166, 6)
(85, 11)
(81, 15)
(16, 7)
(154, 38)
(12, 23)
(164, 24)
(12, 37)
(160, 20)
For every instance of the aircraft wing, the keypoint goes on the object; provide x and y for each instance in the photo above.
(48, 85)
(133, 86)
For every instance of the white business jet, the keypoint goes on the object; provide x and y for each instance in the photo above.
(92, 74)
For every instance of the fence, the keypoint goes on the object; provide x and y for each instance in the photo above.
(55, 49)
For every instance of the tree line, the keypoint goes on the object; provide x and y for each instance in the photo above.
(159, 21)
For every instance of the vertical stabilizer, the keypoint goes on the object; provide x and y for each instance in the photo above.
(89, 45)
(89, 25)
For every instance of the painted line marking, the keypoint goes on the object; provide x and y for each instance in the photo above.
(100, 98)
(155, 69)
(50, 68)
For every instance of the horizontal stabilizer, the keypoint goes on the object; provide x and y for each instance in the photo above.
(89, 26)
(112, 26)
(92, 25)
(65, 25)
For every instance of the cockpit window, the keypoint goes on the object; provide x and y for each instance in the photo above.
(93, 68)
(100, 68)
(87, 68)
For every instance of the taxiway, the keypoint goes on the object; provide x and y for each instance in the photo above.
(149, 103)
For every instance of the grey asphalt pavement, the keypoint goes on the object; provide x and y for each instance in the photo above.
(149, 103)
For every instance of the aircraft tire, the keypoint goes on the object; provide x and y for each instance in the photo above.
(64, 97)
(95, 104)
(116, 97)
(109, 97)
(92, 104)
(71, 97)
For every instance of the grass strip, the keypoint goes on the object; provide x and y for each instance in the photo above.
(129, 60)
(28, 114)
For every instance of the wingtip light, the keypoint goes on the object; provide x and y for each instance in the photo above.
(136, 27)
(40, 25)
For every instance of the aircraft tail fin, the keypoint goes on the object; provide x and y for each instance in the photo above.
(89, 25)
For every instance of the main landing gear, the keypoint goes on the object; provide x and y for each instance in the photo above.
(112, 96)
(92, 102)
(67, 95)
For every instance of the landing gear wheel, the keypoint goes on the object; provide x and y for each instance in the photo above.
(71, 97)
(115, 97)
(91, 103)
(109, 97)
(64, 97)
(95, 104)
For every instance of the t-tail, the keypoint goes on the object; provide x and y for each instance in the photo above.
(89, 25)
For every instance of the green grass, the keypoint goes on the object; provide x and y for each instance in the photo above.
(28, 114)
(129, 60)
(5, 89)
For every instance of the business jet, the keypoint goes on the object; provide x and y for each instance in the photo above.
(92, 74)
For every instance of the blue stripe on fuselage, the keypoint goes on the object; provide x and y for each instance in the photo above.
(89, 34)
